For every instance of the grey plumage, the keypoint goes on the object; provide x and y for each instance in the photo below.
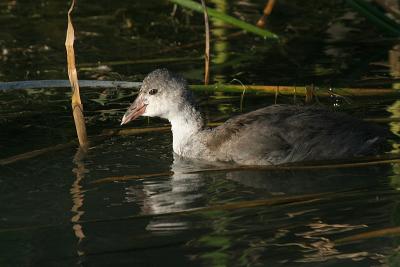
(273, 135)
(286, 133)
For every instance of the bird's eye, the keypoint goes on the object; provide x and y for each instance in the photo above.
(153, 91)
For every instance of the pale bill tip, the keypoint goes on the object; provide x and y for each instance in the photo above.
(123, 121)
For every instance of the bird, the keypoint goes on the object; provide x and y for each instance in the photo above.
(273, 135)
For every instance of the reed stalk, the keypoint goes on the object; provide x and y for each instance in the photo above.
(266, 12)
(207, 48)
(291, 167)
(20, 85)
(294, 90)
(35, 153)
(392, 231)
(77, 107)
(227, 88)
(91, 66)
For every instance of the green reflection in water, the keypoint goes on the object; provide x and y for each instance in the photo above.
(218, 28)
(216, 240)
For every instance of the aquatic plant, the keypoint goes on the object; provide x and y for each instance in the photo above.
(214, 14)
(376, 16)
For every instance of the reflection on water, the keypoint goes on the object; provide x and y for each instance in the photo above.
(116, 222)
(310, 181)
(296, 232)
(78, 197)
(51, 212)
(394, 111)
(220, 49)
(394, 62)
(182, 192)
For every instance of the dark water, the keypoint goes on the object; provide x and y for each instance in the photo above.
(54, 211)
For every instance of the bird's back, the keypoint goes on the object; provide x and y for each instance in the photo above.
(286, 133)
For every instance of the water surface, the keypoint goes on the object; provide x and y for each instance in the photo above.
(54, 211)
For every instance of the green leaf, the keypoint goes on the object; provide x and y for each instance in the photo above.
(226, 18)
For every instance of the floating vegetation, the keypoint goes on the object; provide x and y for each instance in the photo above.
(218, 87)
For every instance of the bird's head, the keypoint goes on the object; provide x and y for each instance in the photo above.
(162, 94)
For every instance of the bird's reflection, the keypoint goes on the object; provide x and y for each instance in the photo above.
(287, 182)
(186, 190)
(183, 191)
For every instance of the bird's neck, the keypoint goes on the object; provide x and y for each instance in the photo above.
(185, 124)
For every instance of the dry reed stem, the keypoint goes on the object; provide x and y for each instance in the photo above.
(292, 167)
(77, 107)
(310, 92)
(266, 89)
(123, 132)
(132, 131)
(216, 14)
(66, 83)
(207, 49)
(35, 153)
(223, 207)
(371, 234)
(300, 90)
(106, 133)
(229, 206)
(131, 177)
(267, 11)
(243, 93)
(155, 61)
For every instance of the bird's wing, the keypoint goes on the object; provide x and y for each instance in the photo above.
(252, 135)
(264, 118)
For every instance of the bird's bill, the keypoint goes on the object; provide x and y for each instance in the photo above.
(137, 108)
